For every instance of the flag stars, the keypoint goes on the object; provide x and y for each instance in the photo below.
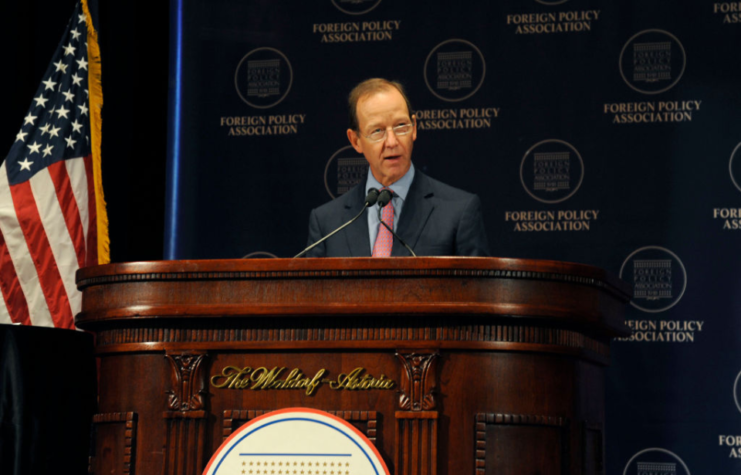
(68, 96)
(77, 80)
(69, 49)
(83, 109)
(34, 148)
(75, 34)
(54, 132)
(44, 129)
(81, 18)
(47, 150)
(61, 66)
(29, 119)
(70, 142)
(40, 101)
(62, 112)
(81, 63)
(25, 164)
(21, 136)
(49, 84)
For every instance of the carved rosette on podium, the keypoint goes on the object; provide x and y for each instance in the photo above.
(448, 365)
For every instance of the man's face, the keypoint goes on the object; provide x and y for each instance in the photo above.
(390, 158)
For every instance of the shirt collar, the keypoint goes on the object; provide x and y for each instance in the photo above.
(400, 187)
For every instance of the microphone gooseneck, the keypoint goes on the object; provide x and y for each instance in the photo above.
(383, 199)
(370, 200)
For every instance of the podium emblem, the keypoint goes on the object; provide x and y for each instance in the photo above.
(301, 439)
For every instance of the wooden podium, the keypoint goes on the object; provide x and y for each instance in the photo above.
(449, 365)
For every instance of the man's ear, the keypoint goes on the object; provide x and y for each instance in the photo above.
(354, 139)
(414, 129)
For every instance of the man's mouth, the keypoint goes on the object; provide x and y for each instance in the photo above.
(392, 157)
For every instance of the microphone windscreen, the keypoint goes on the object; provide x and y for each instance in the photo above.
(371, 197)
(384, 197)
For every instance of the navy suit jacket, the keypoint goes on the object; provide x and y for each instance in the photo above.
(437, 220)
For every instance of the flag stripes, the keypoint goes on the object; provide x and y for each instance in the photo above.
(23, 263)
(53, 216)
(69, 209)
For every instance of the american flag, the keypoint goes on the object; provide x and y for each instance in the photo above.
(52, 214)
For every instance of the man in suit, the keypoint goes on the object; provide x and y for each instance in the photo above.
(434, 219)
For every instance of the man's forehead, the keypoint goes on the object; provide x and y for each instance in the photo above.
(367, 106)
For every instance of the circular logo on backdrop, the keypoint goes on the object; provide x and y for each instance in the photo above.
(656, 462)
(454, 70)
(297, 438)
(737, 391)
(259, 255)
(552, 171)
(345, 169)
(355, 7)
(734, 167)
(551, 2)
(652, 61)
(263, 77)
(658, 277)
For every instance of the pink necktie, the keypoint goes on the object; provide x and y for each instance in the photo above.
(384, 239)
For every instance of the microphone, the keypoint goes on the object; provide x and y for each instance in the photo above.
(370, 200)
(383, 199)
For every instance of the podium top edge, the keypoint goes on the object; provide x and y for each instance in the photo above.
(359, 266)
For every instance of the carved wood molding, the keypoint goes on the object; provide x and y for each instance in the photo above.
(482, 420)
(346, 273)
(418, 381)
(416, 442)
(382, 330)
(129, 419)
(188, 381)
(234, 418)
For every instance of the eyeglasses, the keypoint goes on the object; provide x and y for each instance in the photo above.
(379, 134)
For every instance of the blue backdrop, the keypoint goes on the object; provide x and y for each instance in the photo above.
(607, 133)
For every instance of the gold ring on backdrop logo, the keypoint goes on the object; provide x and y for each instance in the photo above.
(551, 2)
(260, 255)
(344, 169)
(355, 7)
(735, 170)
(652, 61)
(551, 171)
(656, 461)
(658, 276)
(263, 77)
(454, 70)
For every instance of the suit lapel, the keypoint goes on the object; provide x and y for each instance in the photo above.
(414, 215)
(356, 234)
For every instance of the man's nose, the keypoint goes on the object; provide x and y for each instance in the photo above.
(391, 139)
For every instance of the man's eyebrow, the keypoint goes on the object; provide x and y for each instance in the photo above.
(373, 125)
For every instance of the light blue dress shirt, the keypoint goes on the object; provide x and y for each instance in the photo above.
(401, 188)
